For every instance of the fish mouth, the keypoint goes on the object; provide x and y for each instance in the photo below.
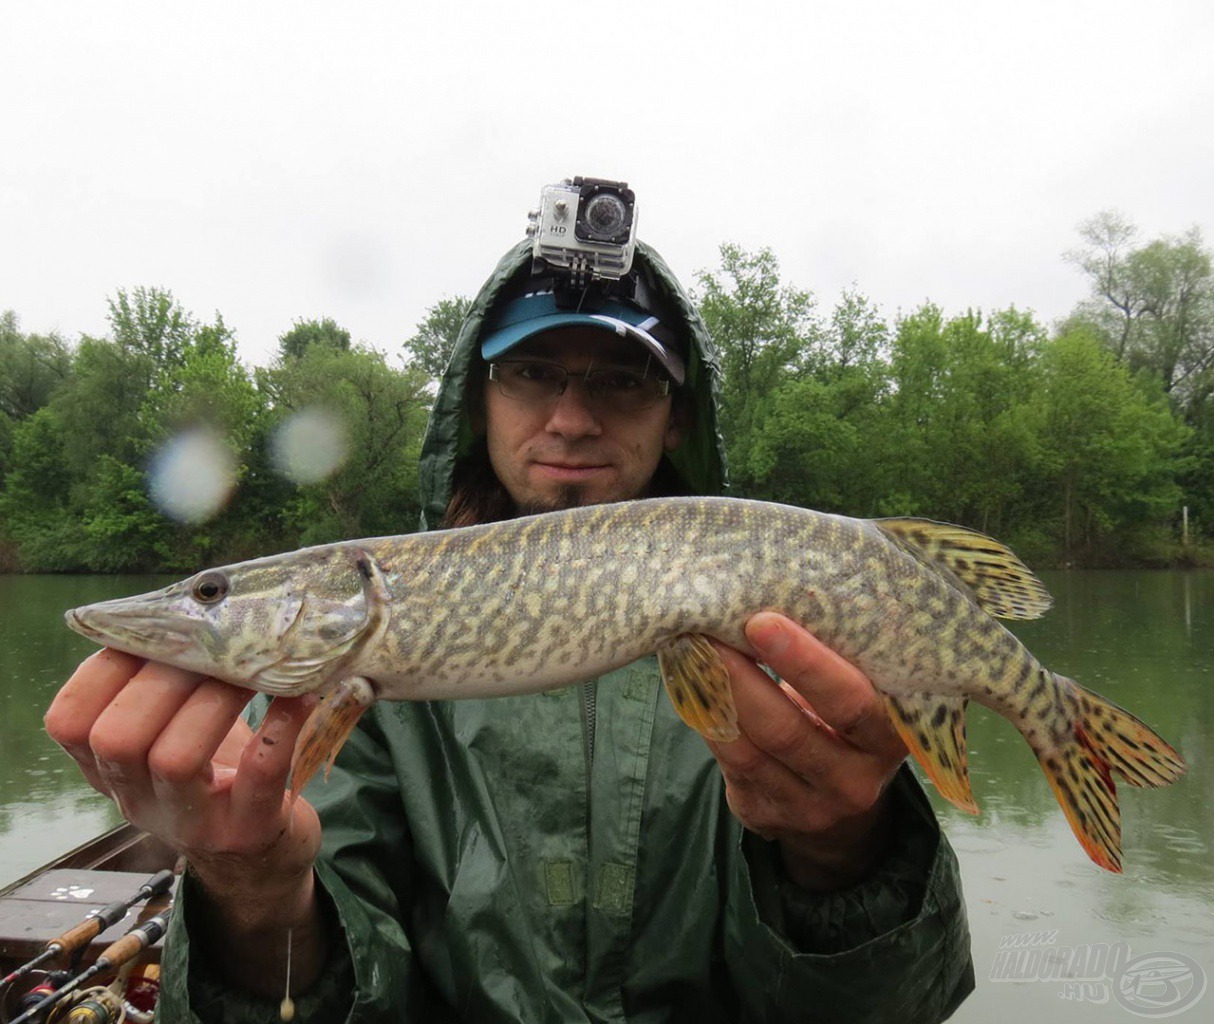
(140, 635)
(76, 623)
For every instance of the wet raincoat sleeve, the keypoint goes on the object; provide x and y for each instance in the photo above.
(895, 947)
(364, 873)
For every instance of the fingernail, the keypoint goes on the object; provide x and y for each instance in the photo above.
(767, 634)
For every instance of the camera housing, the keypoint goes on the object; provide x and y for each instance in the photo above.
(585, 228)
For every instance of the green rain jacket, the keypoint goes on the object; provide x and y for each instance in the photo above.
(569, 856)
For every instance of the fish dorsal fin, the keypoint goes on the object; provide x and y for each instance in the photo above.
(1001, 583)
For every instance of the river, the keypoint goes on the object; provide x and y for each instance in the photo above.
(1036, 904)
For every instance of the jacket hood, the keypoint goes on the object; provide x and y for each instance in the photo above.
(700, 459)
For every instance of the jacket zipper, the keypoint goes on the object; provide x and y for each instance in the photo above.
(589, 702)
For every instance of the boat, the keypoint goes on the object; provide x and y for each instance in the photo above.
(41, 906)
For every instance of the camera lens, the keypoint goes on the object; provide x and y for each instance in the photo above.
(606, 215)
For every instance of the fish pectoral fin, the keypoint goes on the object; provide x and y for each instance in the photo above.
(293, 676)
(1001, 584)
(933, 729)
(698, 683)
(327, 729)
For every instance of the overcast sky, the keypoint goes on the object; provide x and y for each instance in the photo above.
(360, 161)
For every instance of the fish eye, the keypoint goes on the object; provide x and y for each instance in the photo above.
(210, 587)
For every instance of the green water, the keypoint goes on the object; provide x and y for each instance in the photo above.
(1145, 640)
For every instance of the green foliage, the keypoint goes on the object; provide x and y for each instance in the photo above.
(984, 421)
(1109, 446)
(306, 333)
(35, 505)
(434, 339)
(121, 527)
(149, 321)
(32, 368)
(1152, 305)
(75, 492)
(762, 329)
(1076, 448)
(384, 413)
(961, 445)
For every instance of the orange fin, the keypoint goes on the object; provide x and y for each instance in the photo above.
(698, 683)
(327, 729)
(933, 729)
(1104, 740)
(1130, 747)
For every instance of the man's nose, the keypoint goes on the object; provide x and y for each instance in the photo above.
(573, 416)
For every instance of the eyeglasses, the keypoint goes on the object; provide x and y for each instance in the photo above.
(612, 388)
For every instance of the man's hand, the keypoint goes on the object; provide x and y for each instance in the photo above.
(171, 749)
(813, 780)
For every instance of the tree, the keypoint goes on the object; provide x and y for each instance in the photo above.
(383, 411)
(151, 322)
(434, 338)
(35, 505)
(1108, 447)
(1152, 305)
(32, 368)
(957, 446)
(1116, 302)
(763, 329)
(207, 386)
(818, 440)
(209, 391)
(306, 333)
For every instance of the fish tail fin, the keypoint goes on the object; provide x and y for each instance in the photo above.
(1132, 749)
(1104, 739)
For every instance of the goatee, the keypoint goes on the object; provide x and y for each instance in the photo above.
(569, 496)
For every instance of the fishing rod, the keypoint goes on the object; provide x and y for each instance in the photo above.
(114, 955)
(81, 935)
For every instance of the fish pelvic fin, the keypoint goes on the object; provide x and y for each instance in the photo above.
(327, 728)
(1105, 740)
(933, 729)
(1001, 584)
(698, 683)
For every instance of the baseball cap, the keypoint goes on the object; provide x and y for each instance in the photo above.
(533, 312)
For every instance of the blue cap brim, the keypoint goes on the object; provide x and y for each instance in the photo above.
(534, 314)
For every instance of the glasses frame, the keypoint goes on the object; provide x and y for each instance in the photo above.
(663, 382)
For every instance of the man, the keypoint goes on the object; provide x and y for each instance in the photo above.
(577, 855)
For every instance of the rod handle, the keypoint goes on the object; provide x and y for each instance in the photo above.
(134, 941)
(88, 929)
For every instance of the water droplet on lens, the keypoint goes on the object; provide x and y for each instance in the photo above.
(191, 476)
(309, 446)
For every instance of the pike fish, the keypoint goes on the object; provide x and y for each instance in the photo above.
(545, 601)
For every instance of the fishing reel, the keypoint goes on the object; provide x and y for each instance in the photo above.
(131, 997)
(15, 1000)
(584, 233)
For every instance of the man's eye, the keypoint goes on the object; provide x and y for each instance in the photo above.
(537, 372)
(616, 381)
